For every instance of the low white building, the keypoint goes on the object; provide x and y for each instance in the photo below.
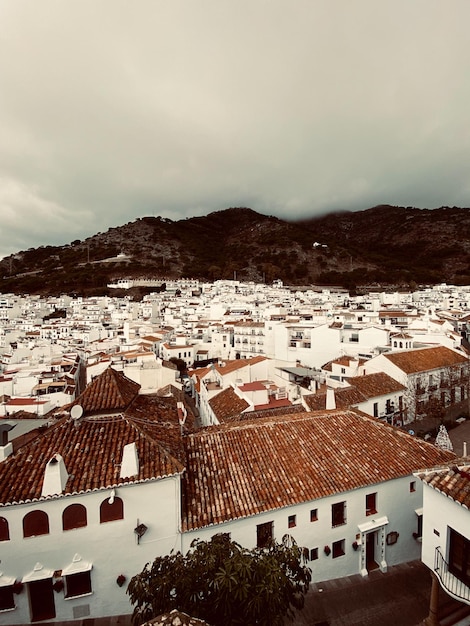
(117, 481)
(436, 372)
(339, 482)
(445, 532)
(86, 504)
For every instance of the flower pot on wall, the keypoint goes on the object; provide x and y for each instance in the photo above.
(327, 550)
(18, 587)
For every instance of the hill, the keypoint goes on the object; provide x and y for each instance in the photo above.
(383, 245)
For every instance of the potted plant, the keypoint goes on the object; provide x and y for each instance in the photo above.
(327, 550)
(121, 579)
(17, 587)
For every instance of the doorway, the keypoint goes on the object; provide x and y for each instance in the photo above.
(41, 599)
(371, 541)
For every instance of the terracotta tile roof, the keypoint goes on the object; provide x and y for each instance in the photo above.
(272, 411)
(257, 385)
(111, 391)
(424, 359)
(92, 452)
(396, 313)
(227, 405)
(401, 335)
(454, 483)
(273, 403)
(92, 447)
(236, 364)
(158, 417)
(238, 471)
(377, 384)
(344, 360)
(345, 397)
(25, 402)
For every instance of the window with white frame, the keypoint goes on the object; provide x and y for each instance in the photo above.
(77, 578)
(338, 548)
(264, 534)
(4, 530)
(7, 599)
(35, 523)
(338, 514)
(371, 503)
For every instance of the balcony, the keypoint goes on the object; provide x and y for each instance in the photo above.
(455, 587)
(420, 391)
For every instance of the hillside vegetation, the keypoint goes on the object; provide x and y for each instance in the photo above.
(383, 246)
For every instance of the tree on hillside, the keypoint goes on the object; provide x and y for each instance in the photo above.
(223, 583)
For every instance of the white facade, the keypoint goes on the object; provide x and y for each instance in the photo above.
(373, 533)
(443, 518)
(112, 548)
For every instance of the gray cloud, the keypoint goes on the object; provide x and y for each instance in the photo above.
(113, 110)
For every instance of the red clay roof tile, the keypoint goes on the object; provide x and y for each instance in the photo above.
(110, 391)
(454, 483)
(238, 471)
(425, 359)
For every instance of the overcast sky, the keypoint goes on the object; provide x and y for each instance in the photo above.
(113, 110)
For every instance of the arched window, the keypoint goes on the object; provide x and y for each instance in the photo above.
(35, 523)
(74, 516)
(4, 530)
(110, 511)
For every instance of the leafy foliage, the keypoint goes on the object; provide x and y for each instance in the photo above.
(223, 583)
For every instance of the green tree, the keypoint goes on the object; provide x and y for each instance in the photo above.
(223, 583)
(180, 364)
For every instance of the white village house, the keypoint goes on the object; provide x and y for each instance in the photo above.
(113, 484)
(446, 532)
(87, 502)
(436, 372)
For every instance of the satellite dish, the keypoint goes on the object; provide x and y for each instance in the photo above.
(411, 432)
(76, 412)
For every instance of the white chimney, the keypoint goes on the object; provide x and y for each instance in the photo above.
(6, 447)
(130, 461)
(464, 448)
(5, 451)
(330, 399)
(55, 476)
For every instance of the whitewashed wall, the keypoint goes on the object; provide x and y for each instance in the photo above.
(318, 534)
(440, 512)
(111, 547)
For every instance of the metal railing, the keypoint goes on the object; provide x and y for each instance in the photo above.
(453, 585)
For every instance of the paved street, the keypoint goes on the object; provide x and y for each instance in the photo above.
(458, 436)
(397, 597)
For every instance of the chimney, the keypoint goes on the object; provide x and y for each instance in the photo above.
(464, 448)
(55, 476)
(130, 461)
(330, 399)
(6, 447)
